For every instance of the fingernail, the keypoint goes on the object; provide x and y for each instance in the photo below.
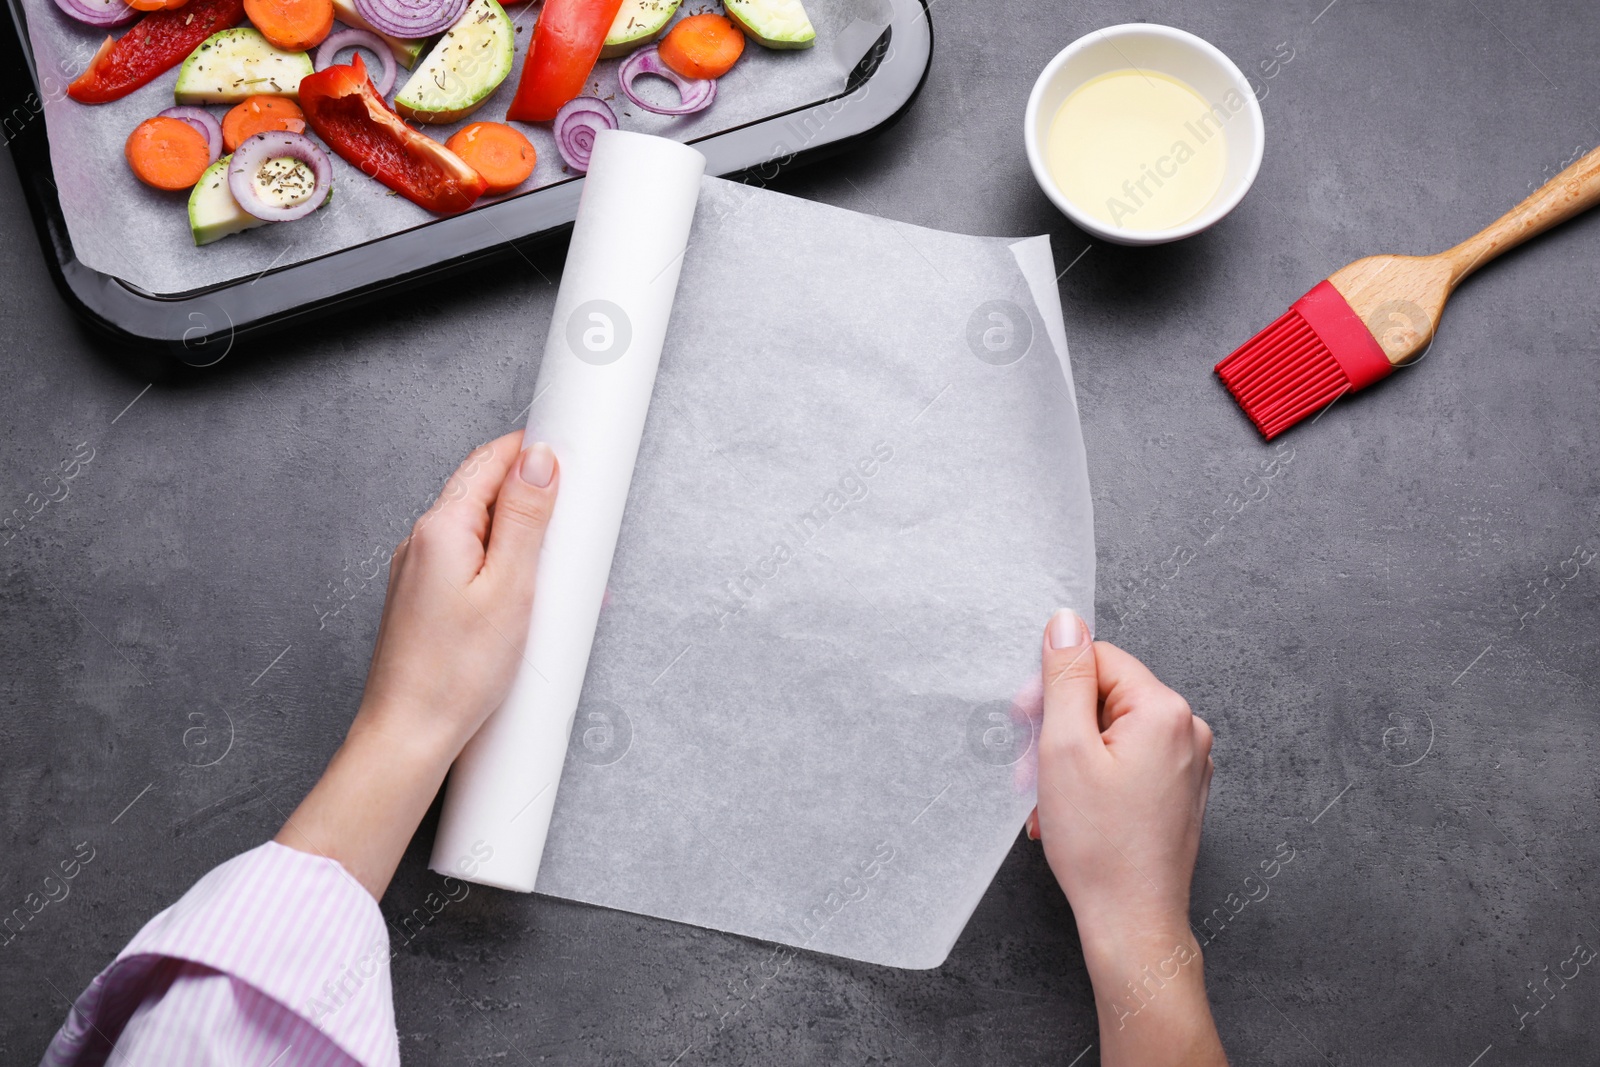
(1066, 629)
(538, 464)
(1033, 828)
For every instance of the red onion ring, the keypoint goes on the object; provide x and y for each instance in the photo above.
(203, 121)
(576, 125)
(695, 94)
(98, 12)
(248, 159)
(336, 42)
(411, 18)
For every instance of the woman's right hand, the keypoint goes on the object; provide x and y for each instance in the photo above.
(1124, 769)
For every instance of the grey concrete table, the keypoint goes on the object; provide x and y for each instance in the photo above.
(1392, 629)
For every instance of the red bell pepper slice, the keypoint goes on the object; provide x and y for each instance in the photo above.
(151, 47)
(566, 43)
(344, 109)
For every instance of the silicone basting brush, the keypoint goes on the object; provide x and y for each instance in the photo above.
(1381, 312)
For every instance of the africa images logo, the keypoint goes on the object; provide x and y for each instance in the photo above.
(599, 332)
(602, 734)
(999, 332)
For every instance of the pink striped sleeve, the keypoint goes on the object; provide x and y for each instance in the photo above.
(276, 953)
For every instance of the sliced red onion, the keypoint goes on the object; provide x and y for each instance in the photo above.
(260, 150)
(695, 94)
(335, 43)
(577, 123)
(98, 12)
(203, 121)
(411, 18)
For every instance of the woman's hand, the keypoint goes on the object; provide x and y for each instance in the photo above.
(460, 597)
(1124, 768)
(454, 624)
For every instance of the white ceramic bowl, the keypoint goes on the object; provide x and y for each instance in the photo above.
(1169, 51)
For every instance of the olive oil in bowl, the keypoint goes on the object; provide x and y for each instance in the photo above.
(1138, 150)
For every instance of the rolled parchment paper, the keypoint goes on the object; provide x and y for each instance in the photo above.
(589, 404)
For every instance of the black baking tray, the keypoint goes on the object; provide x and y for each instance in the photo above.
(200, 326)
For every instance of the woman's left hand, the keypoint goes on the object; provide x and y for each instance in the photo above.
(454, 623)
(460, 596)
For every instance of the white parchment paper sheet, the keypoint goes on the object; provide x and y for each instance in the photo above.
(596, 378)
(124, 228)
(811, 705)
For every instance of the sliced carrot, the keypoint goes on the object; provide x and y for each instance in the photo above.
(167, 153)
(499, 153)
(293, 25)
(703, 46)
(260, 114)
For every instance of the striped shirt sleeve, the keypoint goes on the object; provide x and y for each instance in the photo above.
(276, 953)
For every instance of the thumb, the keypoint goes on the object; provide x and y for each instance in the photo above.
(522, 512)
(1071, 686)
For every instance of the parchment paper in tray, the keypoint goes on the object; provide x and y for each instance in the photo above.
(124, 228)
(811, 705)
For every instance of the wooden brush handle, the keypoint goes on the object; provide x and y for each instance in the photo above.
(1574, 190)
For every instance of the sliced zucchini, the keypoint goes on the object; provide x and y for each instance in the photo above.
(773, 23)
(638, 22)
(464, 68)
(214, 213)
(234, 64)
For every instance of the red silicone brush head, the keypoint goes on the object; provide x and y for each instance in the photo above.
(1313, 354)
(1283, 374)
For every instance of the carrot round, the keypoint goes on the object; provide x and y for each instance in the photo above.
(260, 114)
(293, 25)
(167, 153)
(703, 46)
(499, 153)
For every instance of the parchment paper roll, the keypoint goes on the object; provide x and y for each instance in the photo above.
(590, 402)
